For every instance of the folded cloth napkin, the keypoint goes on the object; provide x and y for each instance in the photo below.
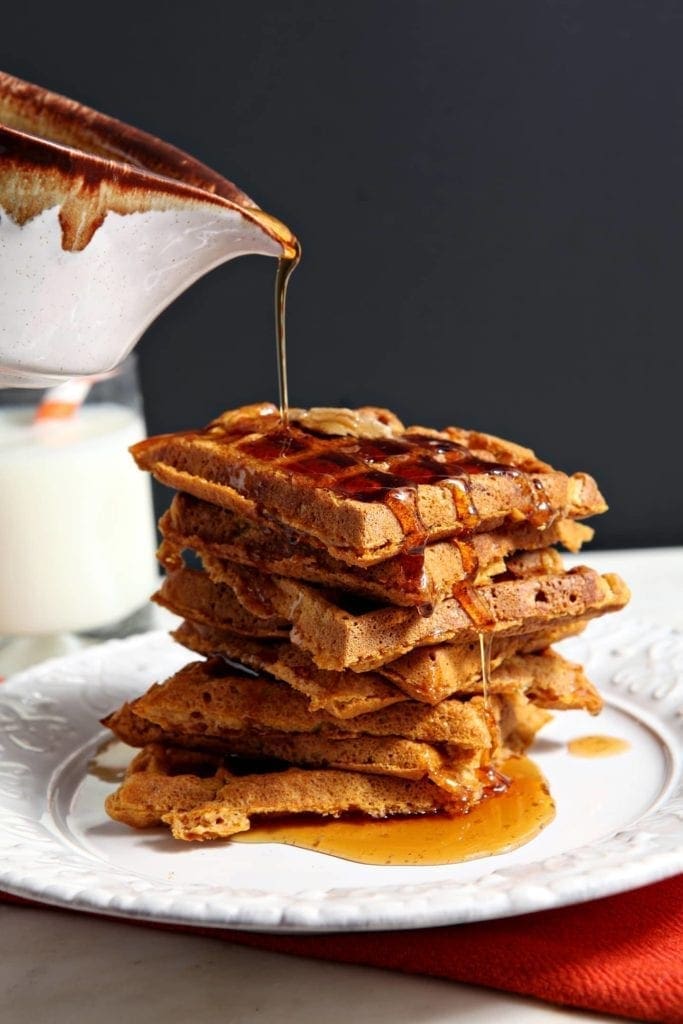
(621, 955)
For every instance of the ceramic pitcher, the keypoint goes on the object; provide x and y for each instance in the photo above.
(101, 227)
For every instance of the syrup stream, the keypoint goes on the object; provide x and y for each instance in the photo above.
(485, 644)
(285, 268)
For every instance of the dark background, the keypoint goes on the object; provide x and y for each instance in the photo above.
(489, 196)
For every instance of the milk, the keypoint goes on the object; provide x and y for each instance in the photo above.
(77, 538)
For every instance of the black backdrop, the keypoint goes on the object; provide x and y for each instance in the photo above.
(489, 195)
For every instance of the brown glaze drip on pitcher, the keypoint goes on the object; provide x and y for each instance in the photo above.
(57, 152)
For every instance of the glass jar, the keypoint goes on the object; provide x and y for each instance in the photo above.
(77, 537)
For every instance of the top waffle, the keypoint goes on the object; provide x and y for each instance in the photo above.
(362, 484)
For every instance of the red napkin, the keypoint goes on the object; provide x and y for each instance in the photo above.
(621, 955)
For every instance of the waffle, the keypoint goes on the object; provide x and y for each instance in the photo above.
(207, 703)
(550, 680)
(162, 785)
(365, 494)
(438, 671)
(208, 698)
(407, 759)
(342, 694)
(516, 724)
(190, 592)
(338, 634)
(158, 781)
(265, 544)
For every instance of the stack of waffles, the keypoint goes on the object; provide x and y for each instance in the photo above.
(375, 609)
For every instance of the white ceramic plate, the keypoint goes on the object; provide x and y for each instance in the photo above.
(618, 822)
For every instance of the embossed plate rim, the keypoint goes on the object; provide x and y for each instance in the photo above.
(38, 861)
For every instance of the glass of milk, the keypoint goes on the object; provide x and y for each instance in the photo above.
(77, 537)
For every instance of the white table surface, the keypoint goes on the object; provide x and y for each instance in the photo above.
(60, 968)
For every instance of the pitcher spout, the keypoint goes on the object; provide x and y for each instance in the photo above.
(101, 227)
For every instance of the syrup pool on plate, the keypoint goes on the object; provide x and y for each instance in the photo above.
(496, 825)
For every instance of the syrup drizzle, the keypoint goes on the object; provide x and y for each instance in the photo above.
(389, 470)
(485, 644)
(468, 558)
(285, 268)
(403, 503)
(518, 808)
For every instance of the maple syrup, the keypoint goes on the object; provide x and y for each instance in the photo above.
(285, 268)
(597, 746)
(485, 644)
(107, 763)
(499, 823)
(468, 558)
(474, 605)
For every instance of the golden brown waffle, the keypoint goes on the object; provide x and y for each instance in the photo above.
(208, 698)
(216, 805)
(339, 634)
(365, 497)
(407, 759)
(444, 764)
(550, 681)
(192, 592)
(347, 694)
(433, 673)
(158, 781)
(342, 694)
(217, 533)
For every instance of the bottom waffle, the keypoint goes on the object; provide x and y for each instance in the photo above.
(200, 798)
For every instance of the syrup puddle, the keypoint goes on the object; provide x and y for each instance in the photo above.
(597, 746)
(109, 761)
(497, 825)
